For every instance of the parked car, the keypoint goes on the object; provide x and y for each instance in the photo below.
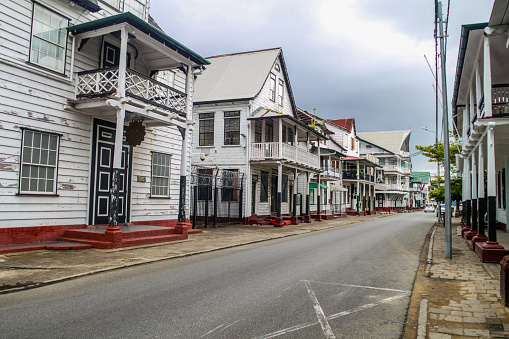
(429, 208)
(441, 211)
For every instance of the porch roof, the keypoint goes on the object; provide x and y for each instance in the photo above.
(142, 26)
(266, 113)
(361, 160)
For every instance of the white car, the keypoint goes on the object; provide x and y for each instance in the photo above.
(429, 208)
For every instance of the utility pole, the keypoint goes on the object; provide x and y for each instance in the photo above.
(445, 120)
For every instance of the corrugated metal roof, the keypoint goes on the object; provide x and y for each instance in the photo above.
(394, 141)
(234, 76)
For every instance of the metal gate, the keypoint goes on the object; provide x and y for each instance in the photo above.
(217, 196)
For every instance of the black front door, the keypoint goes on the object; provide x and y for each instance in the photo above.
(253, 198)
(102, 165)
(273, 194)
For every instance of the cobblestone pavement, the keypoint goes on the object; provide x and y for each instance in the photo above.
(463, 293)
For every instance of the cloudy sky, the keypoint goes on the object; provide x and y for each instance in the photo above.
(346, 58)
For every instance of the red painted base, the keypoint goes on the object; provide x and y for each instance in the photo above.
(295, 220)
(478, 238)
(465, 230)
(307, 219)
(489, 251)
(278, 222)
(504, 280)
(470, 234)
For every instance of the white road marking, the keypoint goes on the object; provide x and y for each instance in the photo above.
(363, 307)
(360, 286)
(211, 331)
(220, 328)
(340, 314)
(327, 330)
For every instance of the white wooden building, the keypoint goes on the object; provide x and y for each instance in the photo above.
(391, 148)
(481, 115)
(360, 173)
(329, 184)
(247, 122)
(71, 73)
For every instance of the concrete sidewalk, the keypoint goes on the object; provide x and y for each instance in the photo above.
(23, 270)
(459, 297)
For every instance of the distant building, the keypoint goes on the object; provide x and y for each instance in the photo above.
(391, 148)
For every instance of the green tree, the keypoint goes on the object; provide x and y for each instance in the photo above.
(438, 194)
(435, 153)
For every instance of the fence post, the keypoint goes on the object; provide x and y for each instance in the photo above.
(241, 200)
(195, 205)
(215, 202)
(207, 206)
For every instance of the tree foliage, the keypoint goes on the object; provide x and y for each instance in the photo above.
(435, 153)
(438, 194)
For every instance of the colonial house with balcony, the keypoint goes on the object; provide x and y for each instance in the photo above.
(481, 114)
(247, 122)
(96, 105)
(391, 148)
(359, 173)
(328, 185)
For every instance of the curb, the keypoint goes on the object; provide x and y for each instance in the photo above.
(423, 306)
(149, 261)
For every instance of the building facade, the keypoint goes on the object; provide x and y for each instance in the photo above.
(96, 109)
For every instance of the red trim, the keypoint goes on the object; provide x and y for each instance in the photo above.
(23, 235)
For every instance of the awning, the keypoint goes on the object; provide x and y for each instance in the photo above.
(315, 185)
(335, 187)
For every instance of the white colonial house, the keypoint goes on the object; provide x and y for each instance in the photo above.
(359, 173)
(481, 115)
(96, 106)
(328, 184)
(391, 148)
(248, 138)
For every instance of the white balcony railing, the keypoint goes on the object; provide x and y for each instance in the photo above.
(105, 81)
(406, 170)
(272, 151)
(392, 168)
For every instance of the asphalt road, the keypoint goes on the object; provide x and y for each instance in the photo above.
(350, 282)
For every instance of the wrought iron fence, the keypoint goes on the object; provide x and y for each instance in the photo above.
(217, 196)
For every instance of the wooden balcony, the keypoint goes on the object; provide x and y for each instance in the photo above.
(274, 151)
(104, 82)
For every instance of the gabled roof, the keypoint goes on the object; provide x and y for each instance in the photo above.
(239, 76)
(394, 141)
(347, 123)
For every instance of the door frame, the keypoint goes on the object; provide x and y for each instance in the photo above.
(93, 172)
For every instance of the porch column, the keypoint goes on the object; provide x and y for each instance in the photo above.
(358, 195)
(491, 251)
(492, 184)
(184, 155)
(481, 200)
(468, 191)
(487, 81)
(319, 196)
(279, 219)
(113, 227)
(507, 194)
(473, 205)
(295, 218)
(307, 217)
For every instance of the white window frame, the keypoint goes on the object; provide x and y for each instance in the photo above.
(38, 162)
(160, 166)
(231, 131)
(136, 7)
(272, 87)
(45, 39)
(281, 92)
(206, 127)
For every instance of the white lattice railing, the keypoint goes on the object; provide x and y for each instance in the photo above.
(272, 151)
(104, 81)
